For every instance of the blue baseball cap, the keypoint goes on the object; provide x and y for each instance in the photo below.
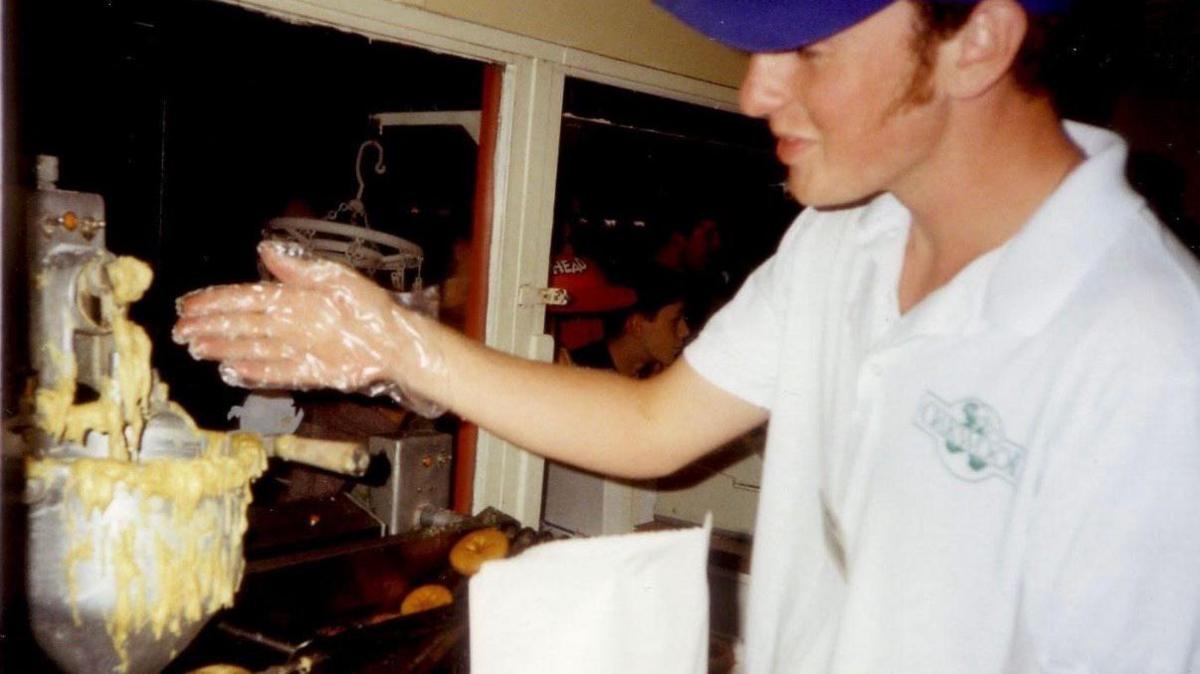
(780, 25)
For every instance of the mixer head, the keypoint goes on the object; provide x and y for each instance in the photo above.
(96, 393)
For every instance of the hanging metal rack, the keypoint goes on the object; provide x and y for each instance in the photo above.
(345, 235)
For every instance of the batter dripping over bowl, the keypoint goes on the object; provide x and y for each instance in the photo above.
(136, 515)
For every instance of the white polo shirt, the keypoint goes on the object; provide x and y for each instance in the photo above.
(1004, 479)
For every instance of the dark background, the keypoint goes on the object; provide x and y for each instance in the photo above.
(630, 164)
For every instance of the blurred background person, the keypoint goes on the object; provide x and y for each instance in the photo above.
(690, 245)
(590, 296)
(649, 335)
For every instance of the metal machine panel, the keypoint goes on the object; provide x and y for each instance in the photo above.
(419, 478)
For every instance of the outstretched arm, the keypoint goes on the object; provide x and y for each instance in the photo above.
(596, 419)
(322, 325)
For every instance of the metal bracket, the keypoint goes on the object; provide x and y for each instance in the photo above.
(469, 120)
(532, 296)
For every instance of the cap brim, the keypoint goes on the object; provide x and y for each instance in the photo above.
(782, 25)
(771, 25)
(597, 301)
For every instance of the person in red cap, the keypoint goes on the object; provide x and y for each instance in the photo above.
(590, 297)
(978, 350)
(645, 337)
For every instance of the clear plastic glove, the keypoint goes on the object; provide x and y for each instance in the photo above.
(321, 326)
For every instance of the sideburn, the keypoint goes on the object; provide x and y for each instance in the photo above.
(932, 24)
(923, 45)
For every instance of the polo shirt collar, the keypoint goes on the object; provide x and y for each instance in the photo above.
(881, 215)
(1042, 264)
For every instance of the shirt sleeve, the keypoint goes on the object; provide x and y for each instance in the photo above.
(739, 348)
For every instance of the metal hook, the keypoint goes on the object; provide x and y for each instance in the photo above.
(380, 169)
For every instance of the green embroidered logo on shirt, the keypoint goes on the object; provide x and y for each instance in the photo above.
(969, 438)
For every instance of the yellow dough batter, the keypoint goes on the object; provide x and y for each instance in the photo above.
(166, 532)
(120, 411)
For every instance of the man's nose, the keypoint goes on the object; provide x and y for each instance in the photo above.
(765, 86)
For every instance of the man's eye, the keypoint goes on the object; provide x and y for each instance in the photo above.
(808, 53)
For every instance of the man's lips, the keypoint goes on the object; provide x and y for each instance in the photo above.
(789, 148)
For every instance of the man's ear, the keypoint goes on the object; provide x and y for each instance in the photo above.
(634, 323)
(982, 52)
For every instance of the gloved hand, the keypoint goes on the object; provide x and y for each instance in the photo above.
(321, 326)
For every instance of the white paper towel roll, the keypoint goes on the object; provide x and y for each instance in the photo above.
(630, 604)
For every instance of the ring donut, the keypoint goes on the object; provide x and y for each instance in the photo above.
(477, 547)
(424, 598)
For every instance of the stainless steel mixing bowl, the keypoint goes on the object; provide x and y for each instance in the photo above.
(122, 583)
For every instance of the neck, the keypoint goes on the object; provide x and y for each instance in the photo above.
(992, 171)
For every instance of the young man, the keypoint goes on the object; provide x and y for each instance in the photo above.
(978, 351)
(646, 337)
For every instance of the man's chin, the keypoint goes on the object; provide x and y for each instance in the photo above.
(828, 200)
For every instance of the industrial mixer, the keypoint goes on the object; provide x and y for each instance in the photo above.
(135, 515)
